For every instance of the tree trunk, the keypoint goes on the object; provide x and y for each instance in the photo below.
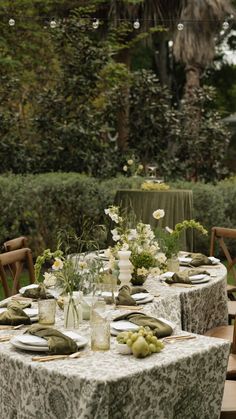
(123, 116)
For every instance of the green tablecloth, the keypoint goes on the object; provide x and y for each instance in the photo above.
(178, 206)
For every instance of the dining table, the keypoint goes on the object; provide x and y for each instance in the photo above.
(177, 204)
(185, 380)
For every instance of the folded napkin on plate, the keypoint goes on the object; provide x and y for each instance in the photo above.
(58, 343)
(199, 259)
(37, 293)
(158, 327)
(179, 278)
(184, 277)
(125, 295)
(196, 271)
(14, 314)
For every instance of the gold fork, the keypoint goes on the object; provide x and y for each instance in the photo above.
(58, 357)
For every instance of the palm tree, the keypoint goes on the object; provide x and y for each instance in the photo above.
(194, 46)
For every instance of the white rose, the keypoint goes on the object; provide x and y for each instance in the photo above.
(50, 279)
(161, 257)
(125, 168)
(130, 162)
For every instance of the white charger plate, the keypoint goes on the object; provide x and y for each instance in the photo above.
(35, 343)
(28, 287)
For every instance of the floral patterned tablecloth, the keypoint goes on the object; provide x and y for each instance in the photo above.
(184, 381)
(203, 306)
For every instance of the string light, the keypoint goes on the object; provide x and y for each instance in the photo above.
(95, 24)
(11, 22)
(225, 25)
(53, 24)
(180, 26)
(136, 24)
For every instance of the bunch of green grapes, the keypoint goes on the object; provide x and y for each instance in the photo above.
(142, 343)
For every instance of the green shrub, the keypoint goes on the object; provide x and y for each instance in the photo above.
(40, 206)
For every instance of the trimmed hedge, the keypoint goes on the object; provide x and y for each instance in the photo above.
(38, 206)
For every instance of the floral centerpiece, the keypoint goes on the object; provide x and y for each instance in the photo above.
(133, 167)
(170, 240)
(67, 275)
(146, 256)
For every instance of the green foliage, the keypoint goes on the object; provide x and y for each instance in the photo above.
(43, 206)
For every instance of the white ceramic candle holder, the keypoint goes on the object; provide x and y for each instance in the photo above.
(125, 267)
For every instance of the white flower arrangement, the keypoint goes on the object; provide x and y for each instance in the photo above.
(145, 251)
(133, 167)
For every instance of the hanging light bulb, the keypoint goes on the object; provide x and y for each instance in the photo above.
(95, 24)
(225, 25)
(11, 22)
(180, 26)
(136, 24)
(53, 24)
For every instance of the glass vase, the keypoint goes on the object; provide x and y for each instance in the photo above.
(72, 312)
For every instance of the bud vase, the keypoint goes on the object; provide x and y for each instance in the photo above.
(125, 267)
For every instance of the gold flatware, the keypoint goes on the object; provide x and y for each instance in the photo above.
(58, 357)
(172, 339)
(5, 338)
(180, 285)
(8, 327)
(21, 298)
(129, 307)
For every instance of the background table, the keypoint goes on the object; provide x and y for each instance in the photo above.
(178, 206)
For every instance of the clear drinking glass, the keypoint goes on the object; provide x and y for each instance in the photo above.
(47, 311)
(100, 327)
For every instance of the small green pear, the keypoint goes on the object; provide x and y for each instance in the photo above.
(140, 348)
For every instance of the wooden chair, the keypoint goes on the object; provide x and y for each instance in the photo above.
(219, 234)
(18, 259)
(227, 333)
(15, 244)
(228, 408)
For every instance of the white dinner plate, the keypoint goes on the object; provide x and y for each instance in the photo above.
(166, 275)
(201, 281)
(124, 325)
(115, 331)
(148, 299)
(28, 287)
(183, 260)
(139, 296)
(214, 260)
(197, 277)
(36, 345)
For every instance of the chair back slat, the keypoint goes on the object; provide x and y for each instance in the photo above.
(14, 244)
(219, 234)
(13, 263)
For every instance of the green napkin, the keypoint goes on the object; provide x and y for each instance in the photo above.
(179, 278)
(137, 289)
(124, 297)
(58, 343)
(37, 293)
(199, 259)
(158, 327)
(14, 314)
